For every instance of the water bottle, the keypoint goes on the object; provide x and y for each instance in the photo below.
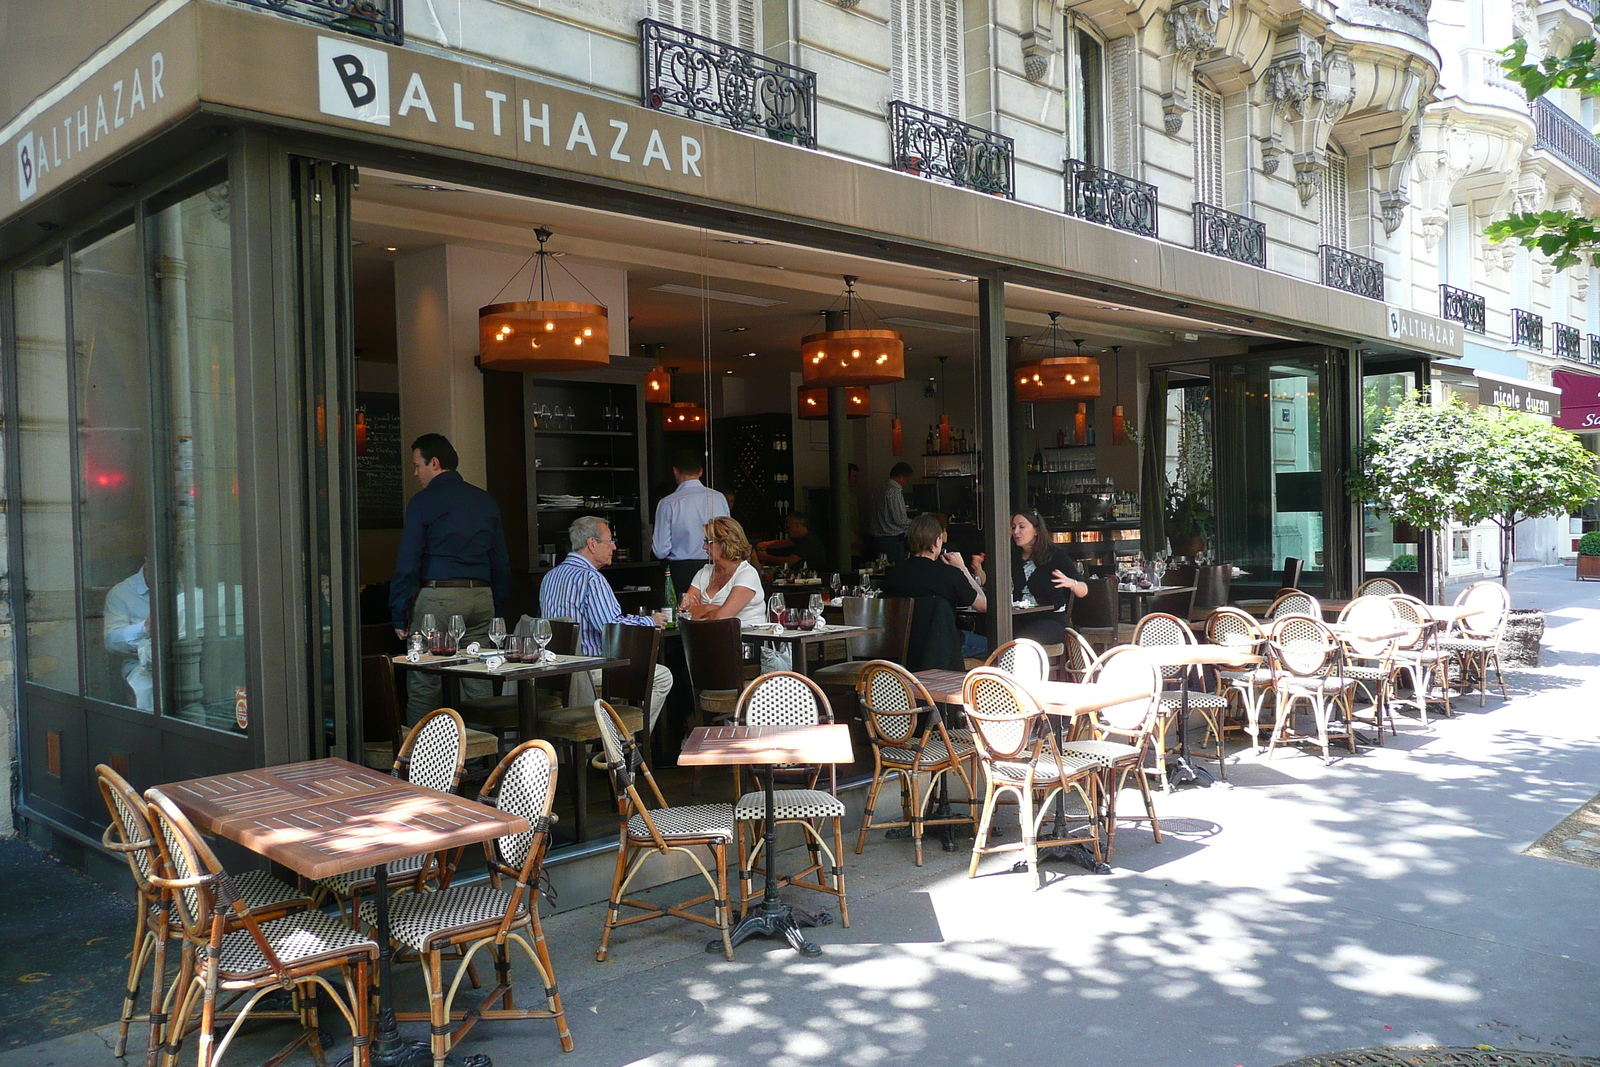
(671, 606)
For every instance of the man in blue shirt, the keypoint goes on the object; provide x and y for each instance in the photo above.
(452, 562)
(681, 519)
(127, 631)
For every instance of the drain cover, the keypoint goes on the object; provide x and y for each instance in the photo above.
(1443, 1057)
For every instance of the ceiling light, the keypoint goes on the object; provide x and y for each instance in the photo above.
(427, 187)
(747, 355)
(390, 248)
(1107, 307)
(716, 294)
(851, 356)
(739, 241)
(734, 329)
(543, 334)
(811, 402)
(1056, 376)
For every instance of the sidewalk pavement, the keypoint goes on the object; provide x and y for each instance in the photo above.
(1385, 900)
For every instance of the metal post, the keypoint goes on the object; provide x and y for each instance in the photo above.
(838, 460)
(994, 509)
(1021, 439)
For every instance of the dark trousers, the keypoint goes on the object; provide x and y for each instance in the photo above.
(683, 572)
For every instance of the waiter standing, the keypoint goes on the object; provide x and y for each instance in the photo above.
(681, 519)
(452, 562)
(888, 520)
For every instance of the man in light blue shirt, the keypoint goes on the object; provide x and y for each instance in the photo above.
(681, 518)
(127, 631)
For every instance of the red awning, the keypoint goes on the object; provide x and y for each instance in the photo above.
(1580, 400)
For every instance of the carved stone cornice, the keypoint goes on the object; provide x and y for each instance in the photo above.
(1192, 27)
(1309, 89)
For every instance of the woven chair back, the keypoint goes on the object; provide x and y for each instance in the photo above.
(1161, 630)
(892, 701)
(1302, 646)
(622, 758)
(523, 784)
(187, 857)
(1294, 602)
(783, 698)
(1494, 604)
(1234, 628)
(630, 683)
(129, 832)
(434, 751)
(1411, 616)
(1023, 659)
(1365, 619)
(714, 653)
(1005, 720)
(1379, 587)
(892, 614)
(1079, 655)
(1126, 665)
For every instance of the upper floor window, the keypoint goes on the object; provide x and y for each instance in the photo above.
(926, 66)
(733, 21)
(1086, 99)
(1335, 200)
(1208, 142)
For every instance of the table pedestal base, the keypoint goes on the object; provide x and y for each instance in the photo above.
(777, 920)
(1181, 772)
(403, 1053)
(1077, 854)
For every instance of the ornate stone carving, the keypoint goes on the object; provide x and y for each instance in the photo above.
(1580, 282)
(1308, 91)
(1037, 48)
(1529, 193)
(1433, 226)
(1392, 204)
(1498, 256)
(1191, 33)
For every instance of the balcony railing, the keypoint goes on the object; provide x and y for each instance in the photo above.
(940, 147)
(1223, 233)
(1527, 329)
(379, 19)
(1343, 269)
(1594, 348)
(1109, 198)
(1569, 344)
(709, 80)
(1566, 138)
(1465, 307)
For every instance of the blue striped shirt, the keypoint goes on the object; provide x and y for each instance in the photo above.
(574, 589)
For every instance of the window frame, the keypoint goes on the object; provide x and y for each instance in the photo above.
(1210, 146)
(942, 90)
(1089, 145)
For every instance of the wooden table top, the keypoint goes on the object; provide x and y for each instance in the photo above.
(834, 632)
(1016, 610)
(715, 746)
(1435, 612)
(331, 816)
(1200, 655)
(1158, 590)
(551, 666)
(1056, 698)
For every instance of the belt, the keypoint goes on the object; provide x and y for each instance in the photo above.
(455, 583)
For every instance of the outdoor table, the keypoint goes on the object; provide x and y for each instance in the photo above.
(1139, 599)
(799, 640)
(329, 816)
(768, 747)
(452, 669)
(1196, 656)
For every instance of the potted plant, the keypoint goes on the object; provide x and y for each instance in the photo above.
(1188, 514)
(1589, 556)
(1188, 518)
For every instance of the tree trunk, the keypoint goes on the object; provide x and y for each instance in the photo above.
(1508, 545)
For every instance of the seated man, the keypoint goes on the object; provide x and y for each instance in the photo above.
(127, 632)
(574, 589)
(931, 571)
(801, 546)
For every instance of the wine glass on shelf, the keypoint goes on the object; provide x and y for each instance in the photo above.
(497, 632)
(458, 630)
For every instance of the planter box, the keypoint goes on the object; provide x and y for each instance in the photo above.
(1519, 645)
(1588, 567)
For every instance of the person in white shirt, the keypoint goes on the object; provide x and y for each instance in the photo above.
(681, 518)
(127, 631)
(729, 586)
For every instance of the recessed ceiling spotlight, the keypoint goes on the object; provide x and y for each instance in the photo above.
(390, 248)
(747, 355)
(735, 329)
(738, 241)
(773, 266)
(428, 187)
(727, 372)
(1107, 307)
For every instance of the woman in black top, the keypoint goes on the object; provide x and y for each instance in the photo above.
(1050, 576)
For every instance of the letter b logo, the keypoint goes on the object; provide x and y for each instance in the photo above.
(353, 81)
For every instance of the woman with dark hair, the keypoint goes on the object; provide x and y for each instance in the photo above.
(1051, 577)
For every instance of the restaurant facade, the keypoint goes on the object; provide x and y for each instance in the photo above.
(241, 265)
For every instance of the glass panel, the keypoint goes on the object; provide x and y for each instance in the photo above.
(1295, 411)
(109, 339)
(191, 286)
(1089, 107)
(1379, 395)
(45, 480)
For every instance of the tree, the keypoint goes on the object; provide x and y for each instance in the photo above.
(1565, 236)
(1535, 469)
(1428, 465)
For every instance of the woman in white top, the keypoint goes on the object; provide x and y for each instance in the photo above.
(727, 586)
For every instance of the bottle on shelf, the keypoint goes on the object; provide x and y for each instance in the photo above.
(1038, 459)
(671, 598)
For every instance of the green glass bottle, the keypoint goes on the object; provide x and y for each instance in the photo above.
(671, 606)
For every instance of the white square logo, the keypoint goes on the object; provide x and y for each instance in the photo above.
(27, 167)
(353, 81)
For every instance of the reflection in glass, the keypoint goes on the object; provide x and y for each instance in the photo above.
(1380, 394)
(192, 304)
(45, 482)
(109, 340)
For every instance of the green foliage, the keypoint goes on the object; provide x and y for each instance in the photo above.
(1575, 70)
(1537, 469)
(1589, 544)
(1189, 491)
(1427, 465)
(1403, 562)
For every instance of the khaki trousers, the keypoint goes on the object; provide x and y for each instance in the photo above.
(476, 607)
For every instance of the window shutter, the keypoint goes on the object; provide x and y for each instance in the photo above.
(926, 69)
(1208, 169)
(733, 21)
(1336, 202)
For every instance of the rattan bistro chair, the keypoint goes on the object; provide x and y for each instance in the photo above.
(908, 739)
(784, 698)
(1023, 659)
(1379, 587)
(467, 918)
(1475, 640)
(234, 955)
(155, 924)
(433, 755)
(1078, 656)
(1019, 756)
(1123, 738)
(1235, 628)
(1308, 667)
(660, 831)
(1294, 602)
(1418, 655)
(1162, 630)
(1371, 639)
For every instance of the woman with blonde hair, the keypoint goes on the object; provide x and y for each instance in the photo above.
(728, 584)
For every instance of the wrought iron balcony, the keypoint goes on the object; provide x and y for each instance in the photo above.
(1594, 348)
(946, 149)
(1343, 269)
(379, 19)
(1527, 329)
(1109, 198)
(1566, 138)
(1467, 308)
(1569, 345)
(712, 81)
(1223, 233)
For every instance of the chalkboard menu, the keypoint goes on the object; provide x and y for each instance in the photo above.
(380, 464)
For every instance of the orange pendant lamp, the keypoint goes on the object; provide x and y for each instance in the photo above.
(851, 356)
(658, 386)
(684, 416)
(813, 402)
(1054, 377)
(544, 334)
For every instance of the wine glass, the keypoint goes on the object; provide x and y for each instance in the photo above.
(541, 635)
(429, 628)
(814, 605)
(458, 630)
(775, 607)
(497, 632)
(809, 617)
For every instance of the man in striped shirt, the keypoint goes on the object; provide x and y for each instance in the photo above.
(574, 589)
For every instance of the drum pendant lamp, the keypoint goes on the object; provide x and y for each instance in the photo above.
(852, 356)
(1054, 376)
(544, 334)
